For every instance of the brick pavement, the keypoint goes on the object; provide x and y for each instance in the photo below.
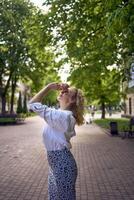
(105, 164)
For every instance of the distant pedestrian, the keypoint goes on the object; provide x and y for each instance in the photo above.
(59, 128)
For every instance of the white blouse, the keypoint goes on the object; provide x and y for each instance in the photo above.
(59, 126)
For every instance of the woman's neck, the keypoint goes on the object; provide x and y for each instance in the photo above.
(64, 107)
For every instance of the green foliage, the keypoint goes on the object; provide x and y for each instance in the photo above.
(123, 124)
(13, 51)
(95, 34)
(25, 51)
(51, 98)
(104, 87)
(13, 36)
(7, 120)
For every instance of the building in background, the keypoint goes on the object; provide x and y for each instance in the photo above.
(129, 101)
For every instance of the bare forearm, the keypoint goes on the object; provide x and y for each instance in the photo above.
(51, 86)
(39, 96)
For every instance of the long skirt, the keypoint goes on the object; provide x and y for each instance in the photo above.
(62, 175)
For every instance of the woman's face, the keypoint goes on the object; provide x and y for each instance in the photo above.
(65, 97)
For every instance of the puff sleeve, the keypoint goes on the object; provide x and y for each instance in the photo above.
(58, 119)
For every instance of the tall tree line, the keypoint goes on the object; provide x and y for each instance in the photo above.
(24, 49)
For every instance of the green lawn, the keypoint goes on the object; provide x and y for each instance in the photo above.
(122, 123)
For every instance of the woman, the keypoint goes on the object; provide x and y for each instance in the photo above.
(59, 128)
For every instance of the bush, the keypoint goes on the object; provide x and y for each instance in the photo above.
(11, 119)
(123, 123)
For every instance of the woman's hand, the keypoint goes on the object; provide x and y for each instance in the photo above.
(57, 86)
(64, 86)
(51, 86)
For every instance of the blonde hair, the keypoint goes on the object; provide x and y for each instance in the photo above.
(77, 107)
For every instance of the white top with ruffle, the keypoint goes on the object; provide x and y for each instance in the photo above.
(59, 126)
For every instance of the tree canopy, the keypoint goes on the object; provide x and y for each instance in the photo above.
(95, 37)
(96, 34)
(25, 52)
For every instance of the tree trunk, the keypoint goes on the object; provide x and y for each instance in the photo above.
(13, 88)
(103, 110)
(4, 92)
(3, 101)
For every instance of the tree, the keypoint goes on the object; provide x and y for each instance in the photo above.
(12, 47)
(51, 98)
(94, 34)
(24, 47)
(98, 88)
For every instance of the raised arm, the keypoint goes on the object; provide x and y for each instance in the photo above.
(42, 93)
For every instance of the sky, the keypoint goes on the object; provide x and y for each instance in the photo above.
(38, 2)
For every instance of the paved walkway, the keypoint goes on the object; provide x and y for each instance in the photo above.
(106, 164)
(89, 118)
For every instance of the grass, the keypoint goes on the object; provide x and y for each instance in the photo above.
(122, 123)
